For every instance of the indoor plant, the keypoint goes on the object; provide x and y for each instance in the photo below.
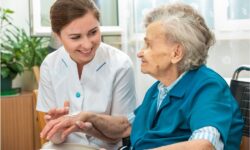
(18, 50)
(11, 63)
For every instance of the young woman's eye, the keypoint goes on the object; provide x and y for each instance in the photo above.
(93, 32)
(75, 37)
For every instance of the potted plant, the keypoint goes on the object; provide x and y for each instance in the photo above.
(19, 50)
(11, 63)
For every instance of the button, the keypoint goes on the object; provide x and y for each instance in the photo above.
(78, 94)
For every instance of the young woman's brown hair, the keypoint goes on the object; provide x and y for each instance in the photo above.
(63, 12)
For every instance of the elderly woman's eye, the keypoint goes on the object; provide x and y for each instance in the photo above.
(145, 45)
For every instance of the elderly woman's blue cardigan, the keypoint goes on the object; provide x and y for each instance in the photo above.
(201, 98)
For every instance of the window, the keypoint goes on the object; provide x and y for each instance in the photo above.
(222, 16)
(41, 23)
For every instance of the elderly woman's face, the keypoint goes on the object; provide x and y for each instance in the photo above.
(157, 54)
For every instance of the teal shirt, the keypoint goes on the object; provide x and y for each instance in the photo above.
(201, 98)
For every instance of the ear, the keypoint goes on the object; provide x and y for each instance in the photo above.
(177, 53)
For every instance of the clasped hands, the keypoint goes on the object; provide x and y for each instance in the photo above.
(59, 124)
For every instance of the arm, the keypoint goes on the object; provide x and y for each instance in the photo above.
(46, 99)
(54, 114)
(189, 145)
(115, 127)
(104, 126)
(202, 138)
(88, 129)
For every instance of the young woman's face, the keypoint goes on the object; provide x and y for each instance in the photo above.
(81, 38)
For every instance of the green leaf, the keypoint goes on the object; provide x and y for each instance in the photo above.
(19, 48)
(5, 72)
(8, 11)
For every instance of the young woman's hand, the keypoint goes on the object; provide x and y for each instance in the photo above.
(57, 112)
(65, 125)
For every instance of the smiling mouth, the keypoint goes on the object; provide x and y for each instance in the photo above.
(85, 52)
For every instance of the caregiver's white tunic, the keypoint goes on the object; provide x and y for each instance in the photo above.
(106, 86)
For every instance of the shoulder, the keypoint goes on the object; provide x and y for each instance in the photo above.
(53, 58)
(205, 75)
(115, 57)
(206, 86)
(202, 82)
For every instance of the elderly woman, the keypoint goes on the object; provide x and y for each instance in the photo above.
(189, 107)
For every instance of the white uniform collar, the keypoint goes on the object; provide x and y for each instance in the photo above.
(97, 63)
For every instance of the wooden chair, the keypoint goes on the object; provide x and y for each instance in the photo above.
(36, 71)
(39, 123)
(39, 116)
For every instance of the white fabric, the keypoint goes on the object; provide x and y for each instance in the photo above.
(209, 133)
(106, 86)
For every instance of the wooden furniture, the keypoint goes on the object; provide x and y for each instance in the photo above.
(17, 122)
(245, 142)
(36, 71)
(39, 123)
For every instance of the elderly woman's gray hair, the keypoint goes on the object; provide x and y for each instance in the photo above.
(186, 26)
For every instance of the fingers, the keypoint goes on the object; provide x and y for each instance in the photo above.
(66, 107)
(52, 112)
(84, 125)
(80, 124)
(69, 130)
(58, 112)
(52, 122)
(63, 111)
(55, 129)
(54, 126)
(48, 127)
(88, 125)
(56, 138)
(66, 104)
(47, 118)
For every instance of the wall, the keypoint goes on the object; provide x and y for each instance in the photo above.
(227, 55)
(21, 12)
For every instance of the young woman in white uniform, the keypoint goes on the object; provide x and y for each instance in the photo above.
(90, 75)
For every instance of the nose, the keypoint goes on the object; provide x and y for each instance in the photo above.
(140, 53)
(86, 43)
